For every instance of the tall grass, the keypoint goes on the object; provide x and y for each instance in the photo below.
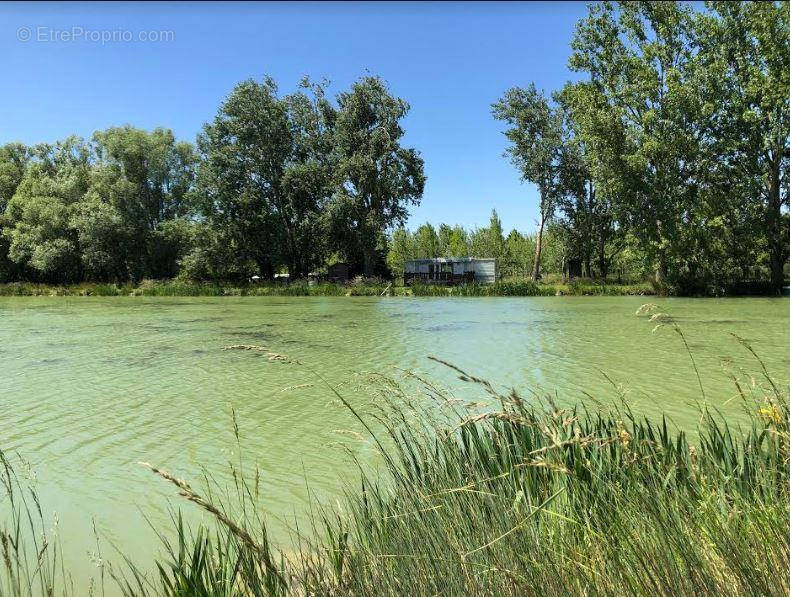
(513, 495)
(30, 560)
(521, 496)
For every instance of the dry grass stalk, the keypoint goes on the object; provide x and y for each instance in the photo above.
(186, 491)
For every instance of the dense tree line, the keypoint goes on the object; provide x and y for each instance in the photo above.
(516, 253)
(109, 209)
(674, 142)
(275, 182)
(668, 157)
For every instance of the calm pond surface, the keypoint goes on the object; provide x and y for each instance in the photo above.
(92, 386)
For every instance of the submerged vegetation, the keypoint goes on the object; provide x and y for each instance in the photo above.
(507, 495)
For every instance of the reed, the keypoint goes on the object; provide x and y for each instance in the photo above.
(30, 561)
(519, 496)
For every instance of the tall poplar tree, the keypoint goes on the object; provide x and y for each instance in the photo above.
(535, 132)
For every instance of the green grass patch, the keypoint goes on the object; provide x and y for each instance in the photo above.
(529, 288)
(302, 288)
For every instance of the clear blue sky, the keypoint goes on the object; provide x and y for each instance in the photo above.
(450, 61)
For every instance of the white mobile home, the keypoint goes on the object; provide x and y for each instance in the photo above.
(450, 270)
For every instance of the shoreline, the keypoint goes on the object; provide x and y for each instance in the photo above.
(364, 288)
(516, 288)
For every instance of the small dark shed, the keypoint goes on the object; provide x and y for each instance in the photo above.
(338, 272)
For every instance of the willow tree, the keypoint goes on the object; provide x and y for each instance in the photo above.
(536, 140)
(378, 179)
(14, 158)
(38, 218)
(131, 221)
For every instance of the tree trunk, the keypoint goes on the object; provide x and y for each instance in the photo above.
(538, 249)
(603, 266)
(369, 265)
(590, 244)
(265, 266)
(294, 270)
(661, 268)
(776, 248)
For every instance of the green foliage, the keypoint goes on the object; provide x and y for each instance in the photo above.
(401, 249)
(515, 254)
(682, 122)
(667, 156)
(265, 181)
(537, 137)
(426, 242)
(378, 177)
(743, 64)
(38, 216)
(279, 182)
(97, 211)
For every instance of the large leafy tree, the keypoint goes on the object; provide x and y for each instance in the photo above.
(100, 211)
(378, 178)
(14, 158)
(38, 216)
(535, 132)
(140, 183)
(744, 54)
(266, 177)
(307, 182)
(245, 150)
(109, 243)
(159, 168)
(587, 217)
(640, 120)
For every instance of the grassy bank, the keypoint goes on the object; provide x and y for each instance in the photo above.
(363, 288)
(513, 497)
(529, 288)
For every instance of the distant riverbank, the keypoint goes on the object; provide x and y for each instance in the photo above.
(362, 288)
(374, 287)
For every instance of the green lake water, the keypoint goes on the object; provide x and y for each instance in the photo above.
(91, 386)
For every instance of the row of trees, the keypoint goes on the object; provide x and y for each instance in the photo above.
(675, 140)
(669, 153)
(109, 209)
(275, 182)
(515, 252)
